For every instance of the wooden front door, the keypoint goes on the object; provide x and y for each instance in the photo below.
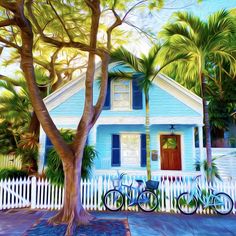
(170, 152)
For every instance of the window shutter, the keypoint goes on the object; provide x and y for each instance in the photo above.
(137, 96)
(107, 104)
(48, 142)
(143, 150)
(115, 161)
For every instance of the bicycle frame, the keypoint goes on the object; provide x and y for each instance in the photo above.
(197, 192)
(128, 190)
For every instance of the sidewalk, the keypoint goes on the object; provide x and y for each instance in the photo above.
(16, 222)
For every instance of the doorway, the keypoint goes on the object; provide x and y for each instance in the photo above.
(170, 152)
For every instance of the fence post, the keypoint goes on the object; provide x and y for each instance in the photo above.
(33, 192)
(168, 199)
(100, 191)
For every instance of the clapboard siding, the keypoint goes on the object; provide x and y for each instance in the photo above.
(165, 104)
(103, 145)
(162, 104)
(225, 161)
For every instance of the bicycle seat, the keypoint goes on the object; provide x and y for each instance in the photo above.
(139, 181)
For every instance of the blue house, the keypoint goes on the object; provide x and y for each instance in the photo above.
(119, 133)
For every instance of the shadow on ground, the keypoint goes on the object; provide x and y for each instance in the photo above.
(104, 227)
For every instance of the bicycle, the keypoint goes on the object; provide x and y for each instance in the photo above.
(146, 199)
(188, 202)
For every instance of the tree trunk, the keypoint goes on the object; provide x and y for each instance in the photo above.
(147, 130)
(34, 125)
(72, 213)
(207, 128)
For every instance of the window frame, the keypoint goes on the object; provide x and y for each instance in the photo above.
(113, 92)
(137, 163)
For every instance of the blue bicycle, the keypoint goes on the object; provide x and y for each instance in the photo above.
(145, 198)
(188, 202)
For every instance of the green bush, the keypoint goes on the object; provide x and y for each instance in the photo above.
(214, 171)
(54, 170)
(12, 173)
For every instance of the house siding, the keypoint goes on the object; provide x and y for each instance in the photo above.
(162, 104)
(104, 144)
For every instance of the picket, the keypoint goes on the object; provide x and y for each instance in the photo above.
(42, 194)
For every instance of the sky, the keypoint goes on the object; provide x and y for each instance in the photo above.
(156, 21)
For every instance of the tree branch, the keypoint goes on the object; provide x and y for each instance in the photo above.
(81, 46)
(132, 8)
(8, 43)
(8, 5)
(7, 22)
(59, 18)
(117, 22)
(28, 69)
(103, 89)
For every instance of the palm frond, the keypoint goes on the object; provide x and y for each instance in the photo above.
(125, 58)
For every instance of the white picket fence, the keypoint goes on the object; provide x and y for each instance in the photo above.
(41, 194)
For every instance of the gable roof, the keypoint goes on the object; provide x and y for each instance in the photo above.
(163, 81)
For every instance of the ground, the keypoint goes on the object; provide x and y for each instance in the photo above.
(22, 222)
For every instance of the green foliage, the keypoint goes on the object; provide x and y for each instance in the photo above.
(12, 173)
(54, 170)
(213, 172)
(210, 45)
(15, 113)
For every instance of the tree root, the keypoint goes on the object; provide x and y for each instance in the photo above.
(72, 219)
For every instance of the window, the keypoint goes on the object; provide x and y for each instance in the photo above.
(121, 95)
(169, 143)
(130, 150)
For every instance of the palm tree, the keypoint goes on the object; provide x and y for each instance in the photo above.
(15, 120)
(143, 69)
(206, 42)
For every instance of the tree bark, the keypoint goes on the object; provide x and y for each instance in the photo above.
(207, 128)
(34, 125)
(147, 128)
(72, 212)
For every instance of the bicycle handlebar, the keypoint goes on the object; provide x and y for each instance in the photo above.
(196, 177)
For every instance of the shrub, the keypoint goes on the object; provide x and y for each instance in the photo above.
(214, 171)
(12, 173)
(54, 170)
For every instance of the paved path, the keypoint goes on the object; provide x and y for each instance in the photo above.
(16, 222)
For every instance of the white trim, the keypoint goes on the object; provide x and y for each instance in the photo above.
(163, 81)
(181, 134)
(68, 90)
(201, 150)
(112, 98)
(42, 142)
(193, 144)
(179, 92)
(112, 120)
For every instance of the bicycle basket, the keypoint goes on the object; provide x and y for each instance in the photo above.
(152, 184)
(116, 183)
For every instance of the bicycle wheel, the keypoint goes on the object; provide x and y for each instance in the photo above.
(187, 204)
(223, 203)
(147, 201)
(113, 200)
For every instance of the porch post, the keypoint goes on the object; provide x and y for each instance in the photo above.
(201, 150)
(92, 138)
(42, 147)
